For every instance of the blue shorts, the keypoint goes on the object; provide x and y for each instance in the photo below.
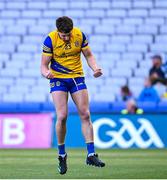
(67, 84)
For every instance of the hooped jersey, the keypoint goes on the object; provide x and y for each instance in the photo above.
(66, 56)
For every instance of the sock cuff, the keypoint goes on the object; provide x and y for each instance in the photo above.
(90, 142)
(61, 144)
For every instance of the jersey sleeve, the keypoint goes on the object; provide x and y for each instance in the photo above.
(84, 41)
(47, 47)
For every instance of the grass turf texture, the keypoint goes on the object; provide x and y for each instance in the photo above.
(123, 164)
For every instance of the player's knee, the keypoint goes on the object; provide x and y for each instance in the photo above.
(61, 118)
(85, 114)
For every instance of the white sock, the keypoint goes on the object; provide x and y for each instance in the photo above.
(62, 155)
(91, 154)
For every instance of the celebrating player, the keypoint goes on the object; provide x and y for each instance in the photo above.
(61, 63)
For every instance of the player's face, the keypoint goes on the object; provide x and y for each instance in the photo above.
(65, 36)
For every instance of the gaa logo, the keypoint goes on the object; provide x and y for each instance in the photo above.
(57, 83)
(134, 134)
(52, 84)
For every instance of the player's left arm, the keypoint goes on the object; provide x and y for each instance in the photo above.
(92, 62)
(90, 57)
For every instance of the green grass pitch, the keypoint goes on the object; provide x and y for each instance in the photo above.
(123, 164)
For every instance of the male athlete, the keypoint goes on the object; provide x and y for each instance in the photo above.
(61, 63)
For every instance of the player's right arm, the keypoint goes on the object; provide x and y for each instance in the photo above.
(46, 58)
(45, 71)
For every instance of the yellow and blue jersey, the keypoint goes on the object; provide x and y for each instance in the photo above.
(66, 56)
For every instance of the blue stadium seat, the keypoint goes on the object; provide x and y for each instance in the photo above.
(137, 47)
(163, 29)
(120, 39)
(4, 57)
(27, 48)
(121, 72)
(31, 73)
(79, 4)
(33, 39)
(116, 81)
(121, 4)
(10, 14)
(133, 21)
(99, 39)
(147, 29)
(90, 21)
(136, 81)
(136, 90)
(109, 57)
(132, 56)
(2, 30)
(100, 4)
(116, 13)
(25, 81)
(11, 39)
(3, 89)
(26, 22)
(104, 97)
(142, 39)
(13, 97)
(52, 14)
(138, 13)
(48, 21)
(97, 49)
(161, 4)
(19, 89)
(31, 13)
(117, 47)
(127, 64)
(143, 4)
(34, 97)
(158, 47)
(37, 5)
(126, 29)
(16, 30)
(2, 5)
(8, 73)
(141, 72)
(111, 21)
(38, 30)
(58, 5)
(155, 21)
(147, 63)
(161, 38)
(86, 29)
(10, 49)
(7, 22)
(158, 12)
(5, 81)
(20, 56)
(16, 5)
(104, 29)
(79, 13)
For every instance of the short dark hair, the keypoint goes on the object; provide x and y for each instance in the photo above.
(64, 24)
(157, 57)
